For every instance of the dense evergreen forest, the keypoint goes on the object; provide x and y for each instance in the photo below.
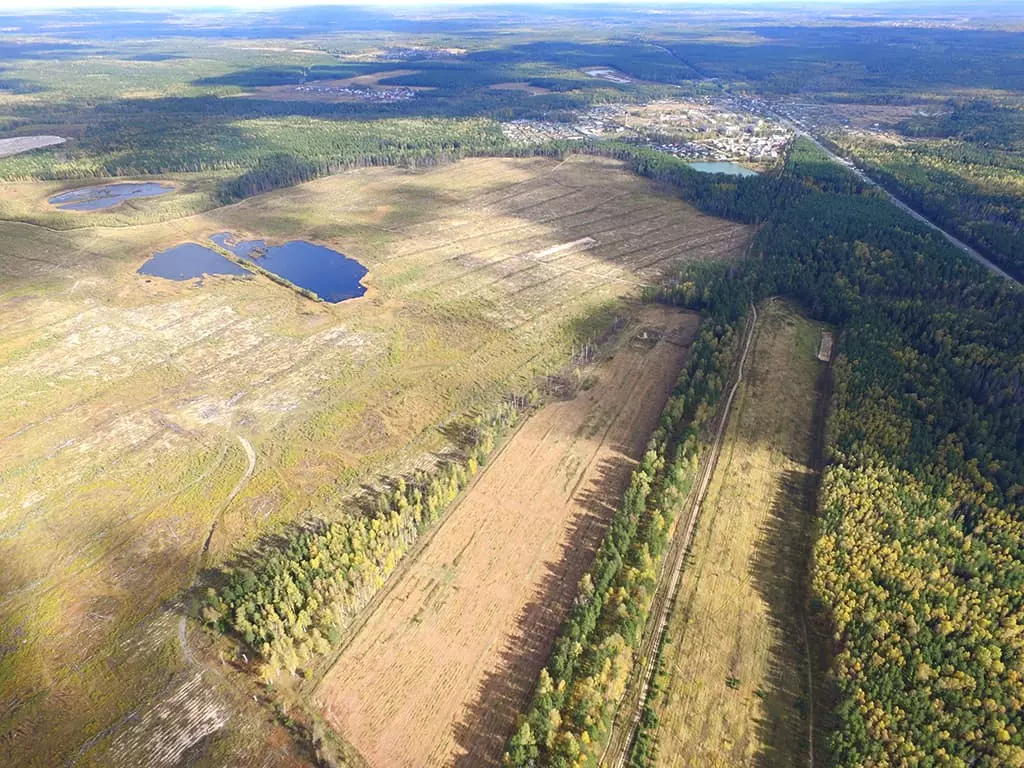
(919, 566)
(962, 169)
(874, 63)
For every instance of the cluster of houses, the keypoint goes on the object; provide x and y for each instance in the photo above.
(366, 94)
(702, 133)
(535, 131)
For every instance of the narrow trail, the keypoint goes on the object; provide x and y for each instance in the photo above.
(810, 694)
(616, 752)
(251, 455)
(183, 619)
(818, 462)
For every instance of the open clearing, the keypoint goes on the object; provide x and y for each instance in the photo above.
(123, 398)
(514, 86)
(735, 667)
(324, 90)
(27, 143)
(438, 672)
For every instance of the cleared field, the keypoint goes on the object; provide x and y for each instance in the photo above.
(525, 87)
(735, 665)
(122, 399)
(440, 669)
(27, 143)
(321, 88)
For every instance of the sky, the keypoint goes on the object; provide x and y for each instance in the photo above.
(164, 5)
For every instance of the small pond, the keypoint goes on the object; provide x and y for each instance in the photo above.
(107, 196)
(733, 169)
(330, 275)
(188, 261)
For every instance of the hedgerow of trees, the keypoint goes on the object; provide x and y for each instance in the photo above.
(585, 678)
(293, 605)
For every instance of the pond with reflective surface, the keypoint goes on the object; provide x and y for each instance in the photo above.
(188, 261)
(107, 196)
(330, 275)
(732, 169)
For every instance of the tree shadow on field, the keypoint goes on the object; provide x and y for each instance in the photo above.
(780, 570)
(504, 692)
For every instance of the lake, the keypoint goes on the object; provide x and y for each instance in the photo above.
(107, 195)
(330, 275)
(733, 169)
(188, 261)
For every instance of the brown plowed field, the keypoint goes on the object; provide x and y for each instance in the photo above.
(440, 668)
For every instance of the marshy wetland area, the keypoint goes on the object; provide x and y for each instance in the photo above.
(151, 427)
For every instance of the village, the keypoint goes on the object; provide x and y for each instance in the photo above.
(692, 130)
(376, 95)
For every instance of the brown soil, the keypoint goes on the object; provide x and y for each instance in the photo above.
(440, 668)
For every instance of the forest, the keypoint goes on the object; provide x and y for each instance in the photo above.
(962, 170)
(919, 564)
(862, 62)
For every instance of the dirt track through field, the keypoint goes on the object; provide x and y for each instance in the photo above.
(439, 670)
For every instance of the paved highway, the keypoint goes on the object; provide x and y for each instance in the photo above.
(903, 206)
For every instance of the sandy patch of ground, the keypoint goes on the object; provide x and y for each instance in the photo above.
(526, 87)
(26, 143)
(373, 78)
(882, 115)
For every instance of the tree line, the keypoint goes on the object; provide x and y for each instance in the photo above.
(593, 655)
(919, 566)
(293, 605)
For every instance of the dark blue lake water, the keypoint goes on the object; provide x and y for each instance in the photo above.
(107, 196)
(330, 275)
(187, 261)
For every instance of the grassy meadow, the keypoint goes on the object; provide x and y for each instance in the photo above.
(125, 401)
(733, 675)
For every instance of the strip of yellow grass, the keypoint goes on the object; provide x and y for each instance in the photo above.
(735, 668)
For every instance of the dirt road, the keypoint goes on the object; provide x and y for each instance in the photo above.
(442, 666)
(628, 717)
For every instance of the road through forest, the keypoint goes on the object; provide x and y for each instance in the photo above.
(907, 209)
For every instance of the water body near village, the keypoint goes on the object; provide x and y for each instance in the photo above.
(732, 169)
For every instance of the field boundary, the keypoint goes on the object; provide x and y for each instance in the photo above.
(620, 739)
(311, 688)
